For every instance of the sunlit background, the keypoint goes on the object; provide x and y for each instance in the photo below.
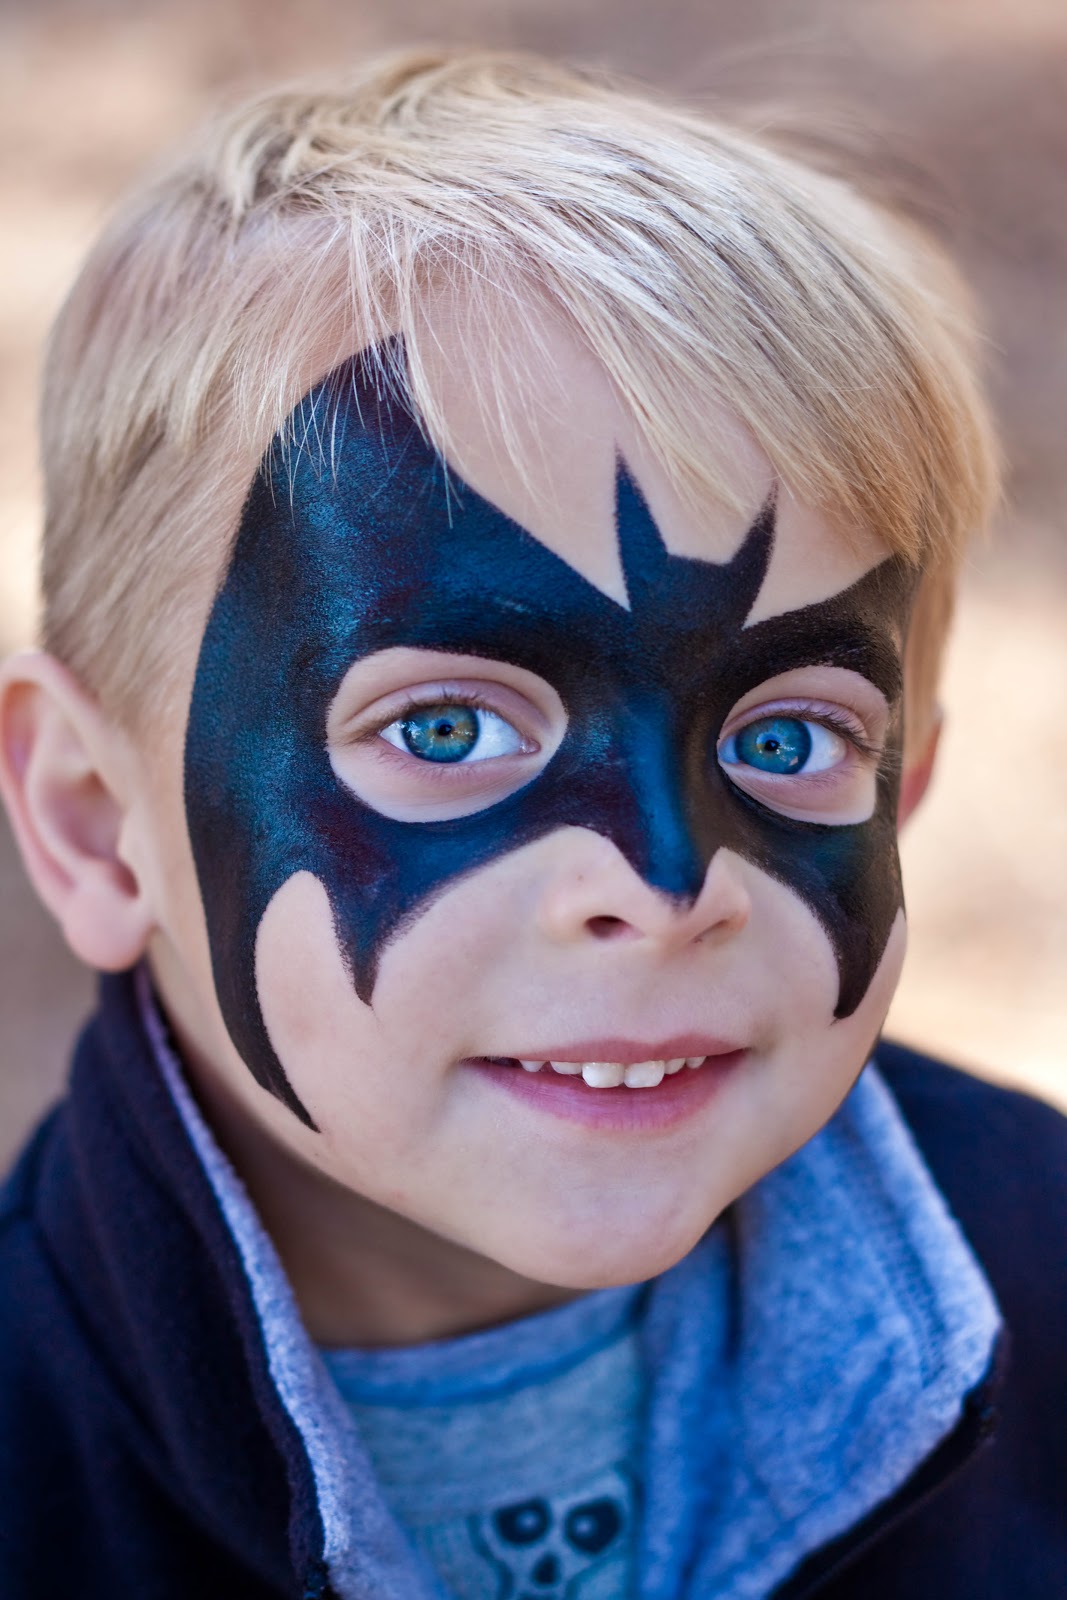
(970, 93)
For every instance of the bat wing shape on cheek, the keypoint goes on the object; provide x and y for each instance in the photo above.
(334, 562)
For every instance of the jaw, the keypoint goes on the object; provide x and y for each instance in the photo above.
(411, 1126)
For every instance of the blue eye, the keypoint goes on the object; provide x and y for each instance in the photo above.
(448, 732)
(783, 746)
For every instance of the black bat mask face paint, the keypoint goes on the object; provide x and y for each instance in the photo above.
(333, 564)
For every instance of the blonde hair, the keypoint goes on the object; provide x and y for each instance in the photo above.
(696, 260)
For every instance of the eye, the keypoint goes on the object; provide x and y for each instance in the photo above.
(785, 746)
(449, 732)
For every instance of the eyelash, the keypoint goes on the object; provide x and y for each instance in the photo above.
(441, 695)
(811, 711)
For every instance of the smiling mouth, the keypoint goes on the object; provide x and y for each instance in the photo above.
(609, 1074)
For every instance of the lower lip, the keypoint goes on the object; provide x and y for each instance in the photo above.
(672, 1101)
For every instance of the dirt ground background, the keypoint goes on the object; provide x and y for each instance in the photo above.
(971, 92)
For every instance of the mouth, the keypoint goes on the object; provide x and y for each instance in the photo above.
(619, 1063)
(616, 1083)
(626, 1088)
(646, 1074)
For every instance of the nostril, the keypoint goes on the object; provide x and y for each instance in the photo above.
(609, 927)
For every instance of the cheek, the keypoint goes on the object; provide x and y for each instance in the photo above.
(798, 1083)
(788, 956)
(330, 1044)
(457, 964)
(376, 1078)
(443, 981)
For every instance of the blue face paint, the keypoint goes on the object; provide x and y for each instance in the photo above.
(333, 563)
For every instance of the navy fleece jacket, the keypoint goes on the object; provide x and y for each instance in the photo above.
(147, 1451)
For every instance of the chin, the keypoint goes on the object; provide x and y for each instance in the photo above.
(582, 1259)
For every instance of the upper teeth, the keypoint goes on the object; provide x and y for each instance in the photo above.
(610, 1074)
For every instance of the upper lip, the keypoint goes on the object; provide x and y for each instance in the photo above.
(628, 1051)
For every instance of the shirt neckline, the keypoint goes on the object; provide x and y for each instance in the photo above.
(532, 1349)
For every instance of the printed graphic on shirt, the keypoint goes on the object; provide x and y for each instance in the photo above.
(577, 1546)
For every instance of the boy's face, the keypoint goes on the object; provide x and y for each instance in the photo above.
(539, 767)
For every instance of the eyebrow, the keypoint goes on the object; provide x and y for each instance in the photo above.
(831, 634)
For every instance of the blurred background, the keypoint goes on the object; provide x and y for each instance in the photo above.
(971, 93)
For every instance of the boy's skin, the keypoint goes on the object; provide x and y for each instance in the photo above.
(428, 1200)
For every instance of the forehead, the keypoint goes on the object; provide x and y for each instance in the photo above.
(536, 427)
(365, 539)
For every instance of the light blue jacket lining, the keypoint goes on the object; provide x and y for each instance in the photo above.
(802, 1361)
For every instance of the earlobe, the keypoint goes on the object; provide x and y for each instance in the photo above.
(917, 774)
(61, 780)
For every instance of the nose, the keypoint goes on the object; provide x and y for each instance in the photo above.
(597, 895)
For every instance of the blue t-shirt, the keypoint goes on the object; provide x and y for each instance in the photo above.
(511, 1456)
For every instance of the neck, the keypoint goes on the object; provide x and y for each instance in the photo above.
(363, 1275)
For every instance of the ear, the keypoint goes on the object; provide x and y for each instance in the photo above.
(915, 779)
(65, 774)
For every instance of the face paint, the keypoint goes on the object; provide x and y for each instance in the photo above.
(334, 563)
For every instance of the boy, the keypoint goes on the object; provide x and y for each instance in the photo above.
(501, 533)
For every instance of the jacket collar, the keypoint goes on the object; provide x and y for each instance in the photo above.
(156, 1278)
(849, 1330)
(357, 1540)
(807, 1358)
